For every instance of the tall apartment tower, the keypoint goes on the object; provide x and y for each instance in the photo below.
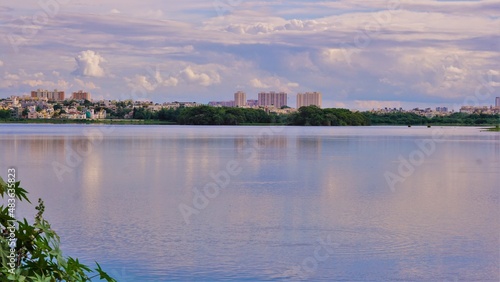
(277, 100)
(81, 95)
(51, 95)
(240, 99)
(497, 102)
(309, 99)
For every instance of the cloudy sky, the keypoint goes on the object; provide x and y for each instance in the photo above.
(359, 54)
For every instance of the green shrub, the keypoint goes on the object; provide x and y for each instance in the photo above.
(31, 252)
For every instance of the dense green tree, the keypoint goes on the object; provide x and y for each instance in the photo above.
(57, 107)
(168, 114)
(312, 115)
(401, 118)
(87, 103)
(4, 114)
(206, 115)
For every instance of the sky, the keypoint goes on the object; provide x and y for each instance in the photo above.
(358, 54)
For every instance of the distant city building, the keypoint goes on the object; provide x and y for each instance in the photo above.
(81, 95)
(480, 110)
(309, 99)
(497, 102)
(50, 95)
(176, 105)
(442, 109)
(91, 114)
(252, 103)
(240, 99)
(221, 103)
(16, 112)
(277, 100)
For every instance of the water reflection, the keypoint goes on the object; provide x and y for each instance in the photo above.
(120, 203)
(309, 147)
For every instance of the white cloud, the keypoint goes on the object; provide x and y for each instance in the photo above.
(151, 83)
(493, 72)
(62, 84)
(171, 81)
(258, 84)
(88, 64)
(1, 63)
(33, 82)
(160, 81)
(151, 14)
(273, 45)
(273, 83)
(335, 55)
(203, 79)
(388, 81)
(11, 76)
(278, 25)
(89, 85)
(182, 49)
(140, 81)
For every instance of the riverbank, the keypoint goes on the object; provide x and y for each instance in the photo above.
(494, 127)
(89, 121)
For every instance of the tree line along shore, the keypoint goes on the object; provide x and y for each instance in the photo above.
(305, 116)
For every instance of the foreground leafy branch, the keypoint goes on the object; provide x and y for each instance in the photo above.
(31, 252)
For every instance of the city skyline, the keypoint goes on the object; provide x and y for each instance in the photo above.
(382, 54)
(265, 100)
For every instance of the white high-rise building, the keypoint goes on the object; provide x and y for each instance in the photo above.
(497, 102)
(309, 99)
(240, 99)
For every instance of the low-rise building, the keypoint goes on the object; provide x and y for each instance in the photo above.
(221, 103)
(16, 112)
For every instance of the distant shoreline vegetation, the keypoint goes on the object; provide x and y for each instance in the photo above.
(305, 116)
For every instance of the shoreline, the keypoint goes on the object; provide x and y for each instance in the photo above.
(85, 121)
(485, 127)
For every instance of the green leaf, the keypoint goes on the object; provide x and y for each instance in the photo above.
(104, 275)
(37, 247)
(3, 186)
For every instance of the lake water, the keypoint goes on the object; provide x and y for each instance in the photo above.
(160, 203)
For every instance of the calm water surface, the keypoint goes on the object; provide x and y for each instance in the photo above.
(302, 203)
